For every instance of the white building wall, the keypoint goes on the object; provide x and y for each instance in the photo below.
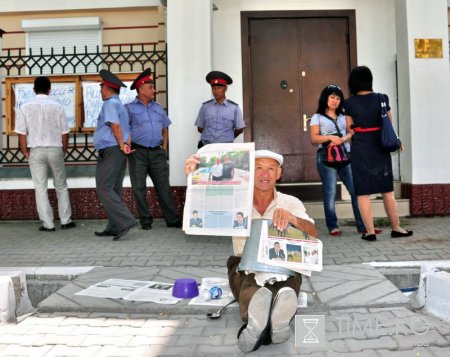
(429, 93)
(189, 60)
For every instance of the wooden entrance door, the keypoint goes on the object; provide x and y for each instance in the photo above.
(290, 60)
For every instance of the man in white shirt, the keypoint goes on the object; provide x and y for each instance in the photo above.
(267, 299)
(216, 171)
(43, 136)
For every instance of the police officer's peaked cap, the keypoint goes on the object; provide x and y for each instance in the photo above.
(144, 77)
(217, 78)
(111, 80)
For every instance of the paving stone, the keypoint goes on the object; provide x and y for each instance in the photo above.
(19, 340)
(371, 344)
(73, 351)
(108, 351)
(51, 329)
(214, 350)
(170, 350)
(429, 337)
(14, 350)
(122, 322)
(15, 329)
(219, 331)
(415, 352)
(37, 320)
(365, 353)
(440, 351)
(96, 340)
(171, 331)
(163, 323)
(153, 340)
(54, 339)
(198, 340)
(98, 330)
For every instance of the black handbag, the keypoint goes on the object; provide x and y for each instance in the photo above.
(389, 138)
(334, 155)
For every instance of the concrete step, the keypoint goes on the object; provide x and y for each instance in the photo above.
(310, 194)
(344, 208)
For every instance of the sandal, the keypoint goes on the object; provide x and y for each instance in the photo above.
(336, 233)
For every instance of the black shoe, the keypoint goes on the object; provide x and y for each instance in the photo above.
(369, 237)
(43, 229)
(68, 225)
(123, 232)
(177, 224)
(146, 227)
(104, 234)
(395, 234)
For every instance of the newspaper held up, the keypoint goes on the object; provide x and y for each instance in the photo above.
(219, 195)
(292, 249)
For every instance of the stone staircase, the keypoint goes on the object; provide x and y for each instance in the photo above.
(344, 208)
(311, 196)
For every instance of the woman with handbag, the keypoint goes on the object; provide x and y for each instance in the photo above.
(328, 131)
(371, 162)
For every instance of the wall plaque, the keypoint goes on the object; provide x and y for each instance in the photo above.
(428, 47)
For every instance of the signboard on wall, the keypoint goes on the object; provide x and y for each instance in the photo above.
(92, 101)
(79, 95)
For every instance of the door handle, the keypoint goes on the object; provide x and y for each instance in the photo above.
(305, 122)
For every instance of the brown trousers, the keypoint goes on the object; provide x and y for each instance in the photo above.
(244, 286)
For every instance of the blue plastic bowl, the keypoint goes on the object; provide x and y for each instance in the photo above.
(185, 288)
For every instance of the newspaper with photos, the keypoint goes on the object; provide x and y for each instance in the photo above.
(292, 249)
(219, 194)
(134, 290)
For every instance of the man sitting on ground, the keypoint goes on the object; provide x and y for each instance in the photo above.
(267, 300)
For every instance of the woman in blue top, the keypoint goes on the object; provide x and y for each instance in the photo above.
(323, 129)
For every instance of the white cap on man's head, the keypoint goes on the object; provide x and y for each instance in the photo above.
(263, 154)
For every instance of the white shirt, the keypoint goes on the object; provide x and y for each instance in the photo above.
(43, 121)
(217, 170)
(280, 200)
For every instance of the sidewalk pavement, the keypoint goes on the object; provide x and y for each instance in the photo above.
(365, 314)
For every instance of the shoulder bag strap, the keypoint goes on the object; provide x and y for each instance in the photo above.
(335, 124)
(383, 104)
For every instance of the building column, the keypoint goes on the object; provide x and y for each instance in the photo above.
(423, 96)
(189, 58)
(1, 95)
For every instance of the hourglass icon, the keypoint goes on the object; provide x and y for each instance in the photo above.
(310, 324)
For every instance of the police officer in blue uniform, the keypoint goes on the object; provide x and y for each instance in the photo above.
(111, 141)
(219, 120)
(149, 138)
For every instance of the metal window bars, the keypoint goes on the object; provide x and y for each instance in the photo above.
(76, 60)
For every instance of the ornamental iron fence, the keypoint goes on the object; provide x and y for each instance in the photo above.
(117, 59)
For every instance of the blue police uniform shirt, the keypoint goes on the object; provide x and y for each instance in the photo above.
(112, 111)
(147, 122)
(219, 121)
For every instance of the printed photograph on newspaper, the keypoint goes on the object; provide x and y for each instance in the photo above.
(219, 194)
(291, 249)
